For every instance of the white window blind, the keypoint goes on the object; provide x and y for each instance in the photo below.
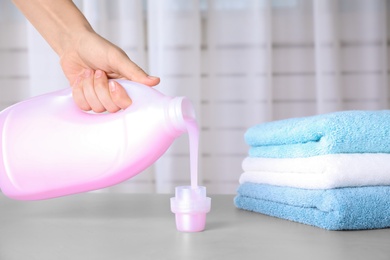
(240, 62)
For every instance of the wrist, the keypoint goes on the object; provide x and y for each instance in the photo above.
(60, 22)
(72, 38)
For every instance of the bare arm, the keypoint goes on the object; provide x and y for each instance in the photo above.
(87, 59)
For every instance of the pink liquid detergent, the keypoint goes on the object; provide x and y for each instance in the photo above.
(50, 148)
(190, 203)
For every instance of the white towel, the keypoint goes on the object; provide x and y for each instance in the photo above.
(319, 172)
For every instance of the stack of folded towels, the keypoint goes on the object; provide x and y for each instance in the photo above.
(331, 171)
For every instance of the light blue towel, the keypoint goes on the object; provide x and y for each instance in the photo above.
(341, 132)
(333, 209)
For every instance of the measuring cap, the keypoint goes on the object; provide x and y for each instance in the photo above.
(190, 206)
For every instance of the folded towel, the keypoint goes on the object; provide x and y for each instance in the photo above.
(332, 209)
(341, 132)
(319, 172)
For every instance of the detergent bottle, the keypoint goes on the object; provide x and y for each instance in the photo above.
(51, 148)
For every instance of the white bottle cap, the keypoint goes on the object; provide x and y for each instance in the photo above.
(190, 206)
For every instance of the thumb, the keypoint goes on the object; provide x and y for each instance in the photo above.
(133, 72)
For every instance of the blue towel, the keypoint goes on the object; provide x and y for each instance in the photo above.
(340, 132)
(333, 209)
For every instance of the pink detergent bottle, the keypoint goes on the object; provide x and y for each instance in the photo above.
(51, 148)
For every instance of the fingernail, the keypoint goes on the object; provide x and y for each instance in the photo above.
(87, 73)
(98, 74)
(112, 86)
(153, 77)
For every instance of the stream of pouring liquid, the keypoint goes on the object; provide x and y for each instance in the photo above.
(193, 136)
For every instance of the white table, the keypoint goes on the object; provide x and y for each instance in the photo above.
(95, 226)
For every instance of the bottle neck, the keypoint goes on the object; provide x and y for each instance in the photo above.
(180, 111)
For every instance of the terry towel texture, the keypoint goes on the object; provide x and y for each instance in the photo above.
(330, 171)
(340, 132)
(332, 209)
(319, 172)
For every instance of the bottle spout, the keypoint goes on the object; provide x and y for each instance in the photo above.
(180, 112)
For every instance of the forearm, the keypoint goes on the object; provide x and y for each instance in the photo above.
(59, 21)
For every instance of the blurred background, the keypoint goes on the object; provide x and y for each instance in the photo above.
(241, 62)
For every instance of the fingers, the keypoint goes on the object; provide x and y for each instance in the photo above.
(119, 95)
(78, 95)
(103, 93)
(92, 92)
(89, 92)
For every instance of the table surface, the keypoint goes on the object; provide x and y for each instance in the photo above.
(141, 226)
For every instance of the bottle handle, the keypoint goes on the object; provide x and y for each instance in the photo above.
(138, 93)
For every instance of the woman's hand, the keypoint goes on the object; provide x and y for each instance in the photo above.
(87, 59)
(89, 62)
